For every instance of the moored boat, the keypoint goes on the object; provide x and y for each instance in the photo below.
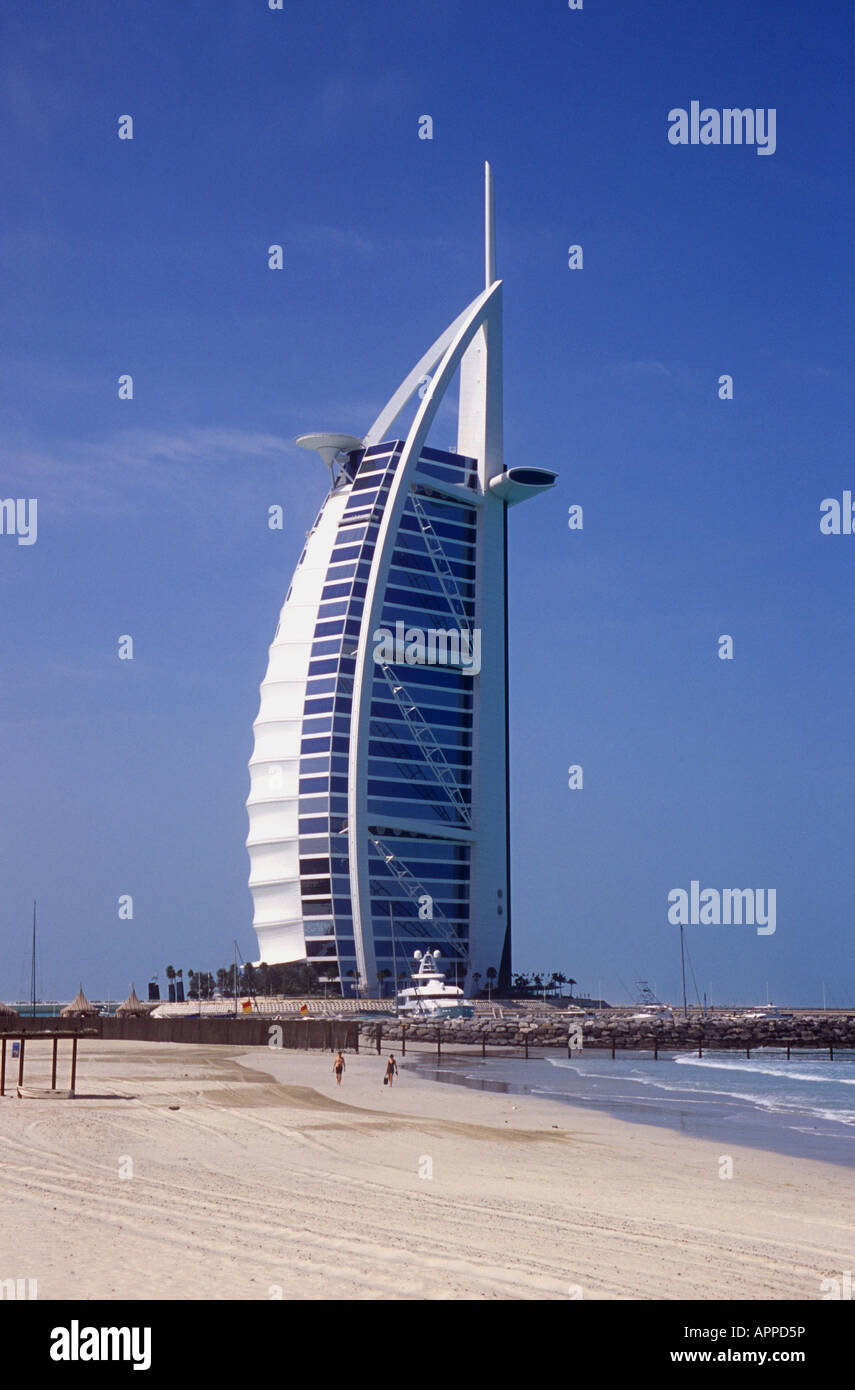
(429, 996)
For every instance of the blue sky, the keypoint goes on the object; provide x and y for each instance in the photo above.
(701, 516)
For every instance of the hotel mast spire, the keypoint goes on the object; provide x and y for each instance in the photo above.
(489, 228)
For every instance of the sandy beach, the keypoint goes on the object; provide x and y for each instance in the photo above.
(193, 1172)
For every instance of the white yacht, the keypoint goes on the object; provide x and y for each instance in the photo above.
(653, 1011)
(429, 996)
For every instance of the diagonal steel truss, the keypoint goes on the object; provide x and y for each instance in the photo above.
(440, 926)
(442, 569)
(426, 740)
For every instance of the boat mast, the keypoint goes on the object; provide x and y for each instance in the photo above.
(394, 958)
(683, 966)
(33, 966)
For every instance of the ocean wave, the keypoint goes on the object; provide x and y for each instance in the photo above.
(784, 1104)
(784, 1072)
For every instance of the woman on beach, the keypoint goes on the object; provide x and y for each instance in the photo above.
(338, 1067)
(391, 1070)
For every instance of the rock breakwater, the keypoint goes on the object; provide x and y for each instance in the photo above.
(674, 1034)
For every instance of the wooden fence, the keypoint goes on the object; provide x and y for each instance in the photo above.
(322, 1034)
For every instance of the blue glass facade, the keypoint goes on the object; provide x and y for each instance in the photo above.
(402, 784)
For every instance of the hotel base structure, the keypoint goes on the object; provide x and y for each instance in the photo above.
(378, 805)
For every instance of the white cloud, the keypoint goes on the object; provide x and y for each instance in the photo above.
(137, 469)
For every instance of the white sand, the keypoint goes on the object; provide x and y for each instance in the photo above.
(267, 1182)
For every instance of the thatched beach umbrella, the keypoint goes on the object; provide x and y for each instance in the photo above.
(132, 1007)
(79, 1007)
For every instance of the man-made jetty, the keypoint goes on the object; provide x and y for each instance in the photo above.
(614, 1029)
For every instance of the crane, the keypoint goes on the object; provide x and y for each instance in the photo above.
(426, 740)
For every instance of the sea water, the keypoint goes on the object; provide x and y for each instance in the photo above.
(804, 1106)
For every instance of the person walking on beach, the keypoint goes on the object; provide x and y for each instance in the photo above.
(338, 1067)
(391, 1070)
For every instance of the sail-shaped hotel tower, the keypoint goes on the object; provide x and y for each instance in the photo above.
(378, 806)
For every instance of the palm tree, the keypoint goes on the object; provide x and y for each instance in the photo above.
(382, 977)
(571, 983)
(170, 975)
(476, 978)
(558, 980)
(491, 975)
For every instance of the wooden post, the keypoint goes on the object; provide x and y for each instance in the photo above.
(748, 1053)
(438, 1043)
(73, 1061)
(21, 1064)
(53, 1065)
(379, 1035)
(403, 1039)
(525, 1040)
(788, 1052)
(831, 1054)
(700, 1046)
(656, 1052)
(613, 1046)
(3, 1070)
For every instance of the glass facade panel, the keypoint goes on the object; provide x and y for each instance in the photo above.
(420, 726)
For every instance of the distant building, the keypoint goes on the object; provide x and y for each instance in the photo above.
(378, 807)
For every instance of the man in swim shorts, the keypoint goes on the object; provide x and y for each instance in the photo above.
(338, 1067)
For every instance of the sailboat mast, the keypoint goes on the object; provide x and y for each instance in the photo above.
(683, 967)
(32, 968)
(394, 957)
